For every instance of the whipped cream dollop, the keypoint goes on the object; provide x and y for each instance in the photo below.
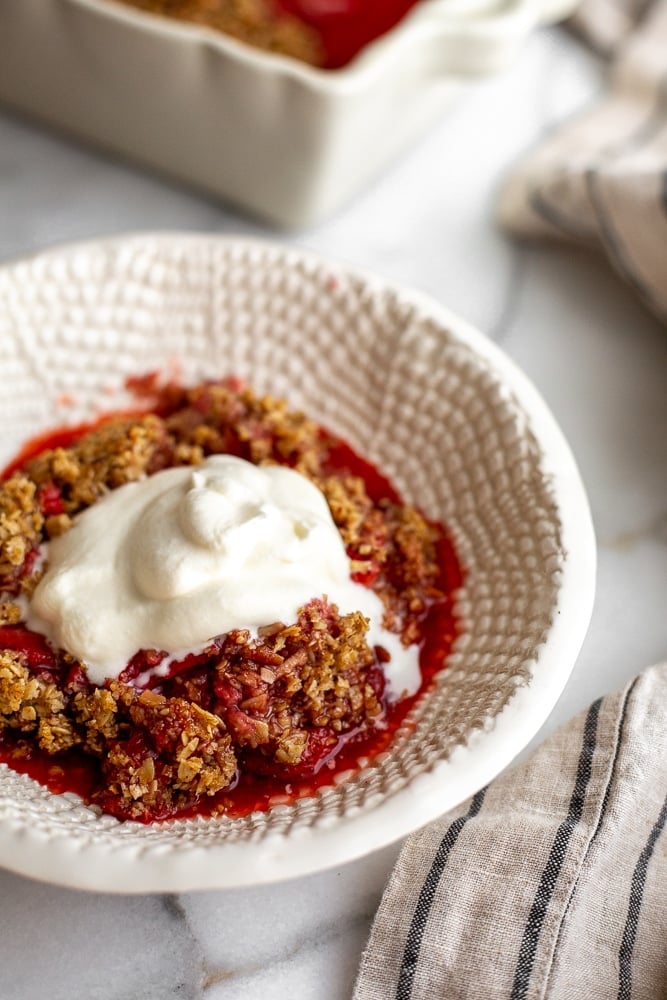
(173, 560)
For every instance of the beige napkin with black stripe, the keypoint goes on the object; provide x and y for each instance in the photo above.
(602, 177)
(549, 883)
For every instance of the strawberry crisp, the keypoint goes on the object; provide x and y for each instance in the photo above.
(317, 32)
(228, 719)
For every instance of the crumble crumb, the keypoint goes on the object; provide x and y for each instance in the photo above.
(119, 451)
(10, 613)
(219, 419)
(14, 679)
(33, 704)
(176, 753)
(97, 714)
(21, 523)
(57, 524)
(319, 673)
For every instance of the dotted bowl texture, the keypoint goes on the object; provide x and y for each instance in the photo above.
(458, 429)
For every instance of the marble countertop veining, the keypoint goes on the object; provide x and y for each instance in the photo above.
(597, 356)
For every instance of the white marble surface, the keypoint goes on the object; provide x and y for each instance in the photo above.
(598, 358)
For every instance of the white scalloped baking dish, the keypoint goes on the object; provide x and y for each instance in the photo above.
(276, 137)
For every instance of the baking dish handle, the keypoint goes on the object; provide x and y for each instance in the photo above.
(471, 39)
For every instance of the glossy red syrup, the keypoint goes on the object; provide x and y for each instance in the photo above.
(74, 772)
(347, 26)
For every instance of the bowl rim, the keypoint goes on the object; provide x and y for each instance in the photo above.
(132, 869)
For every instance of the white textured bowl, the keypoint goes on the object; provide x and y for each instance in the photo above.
(442, 411)
(276, 137)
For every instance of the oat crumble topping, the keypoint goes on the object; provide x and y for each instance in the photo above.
(277, 703)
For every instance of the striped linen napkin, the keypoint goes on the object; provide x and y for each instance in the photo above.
(549, 883)
(602, 178)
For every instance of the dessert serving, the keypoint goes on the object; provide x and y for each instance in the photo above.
(341, 764)
(210, 607)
